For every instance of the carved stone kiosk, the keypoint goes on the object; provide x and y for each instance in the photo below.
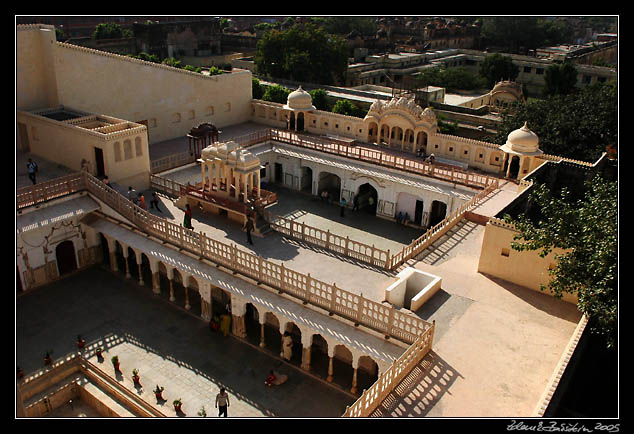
(230, 183)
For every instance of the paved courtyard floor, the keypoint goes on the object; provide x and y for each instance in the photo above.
(168, 346)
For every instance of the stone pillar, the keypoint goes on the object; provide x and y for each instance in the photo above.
(139, 261)
(355, 367)
(170, 276)
(156, 278)
(205, 300)
(127, 266)
(331, 356)
(261, 319)
(259, 181)
(112, 250)
(306, 347)
(238, 313)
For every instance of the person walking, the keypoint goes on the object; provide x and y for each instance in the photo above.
(32, 169)
(131, 195)
(355, 201)
(187, 220)
(222, 402)
(249, 227)
(154, 202)
(142, 201)
(343, 206)
(225, 324)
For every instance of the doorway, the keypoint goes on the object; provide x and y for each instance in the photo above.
(418, 213)
(65, 255)
(279, 173)
(368, 197)
(99, 165)
(438, 212)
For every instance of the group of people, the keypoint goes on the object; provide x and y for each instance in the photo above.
(139, 198)
(402, 219)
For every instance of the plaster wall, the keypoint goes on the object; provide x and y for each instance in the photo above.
(35, 78)
(170, 101)
(526, 269)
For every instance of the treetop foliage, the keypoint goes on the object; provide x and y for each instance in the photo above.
(304, 52)
(586, 229)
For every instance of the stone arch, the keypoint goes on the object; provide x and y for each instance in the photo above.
(365, 191)
(367, 373)
(330, 182)
(319, 359)
(66, 257)
(438, 212)
(373, 132)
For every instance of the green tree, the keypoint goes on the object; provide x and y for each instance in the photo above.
(276, 93)
(107, 31)
(496, 67)
(304, 52)
(257, 90)
(579, 125)
(346, 107)
(586, 229)
(560, 79)
(319, 97)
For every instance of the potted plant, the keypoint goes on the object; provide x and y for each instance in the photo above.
(214, 323)
(47, 359)
(80, 342)
(202, 412)
(115, 363)
(158, 392)
(177, 405)
(135, 377)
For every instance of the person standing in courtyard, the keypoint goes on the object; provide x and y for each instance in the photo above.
(249, 227)
(287, 346)
(222, 402)
(355, 201)
(32, 169)
(342, 203)
(187, 220)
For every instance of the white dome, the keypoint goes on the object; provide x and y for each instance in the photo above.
(299, 100)
(522, 141)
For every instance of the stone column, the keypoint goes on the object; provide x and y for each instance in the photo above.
(112, 250)
(205, 300)
(139, 261)
(355, 367)
(156, 278)
(186, 286)
(238, 313)
(124, 248)
(331, 356)
(170, 276)
(261, 319)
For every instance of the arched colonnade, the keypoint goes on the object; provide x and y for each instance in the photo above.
(258, 323)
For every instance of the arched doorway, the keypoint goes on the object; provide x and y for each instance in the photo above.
(65, 256)
(319, 359)
(252, 324)
(515, 167)
(367, 374)
(306, 184)
(331, 183)
(105, 252)
(438, 212)
(300, 121)
(367, 197)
